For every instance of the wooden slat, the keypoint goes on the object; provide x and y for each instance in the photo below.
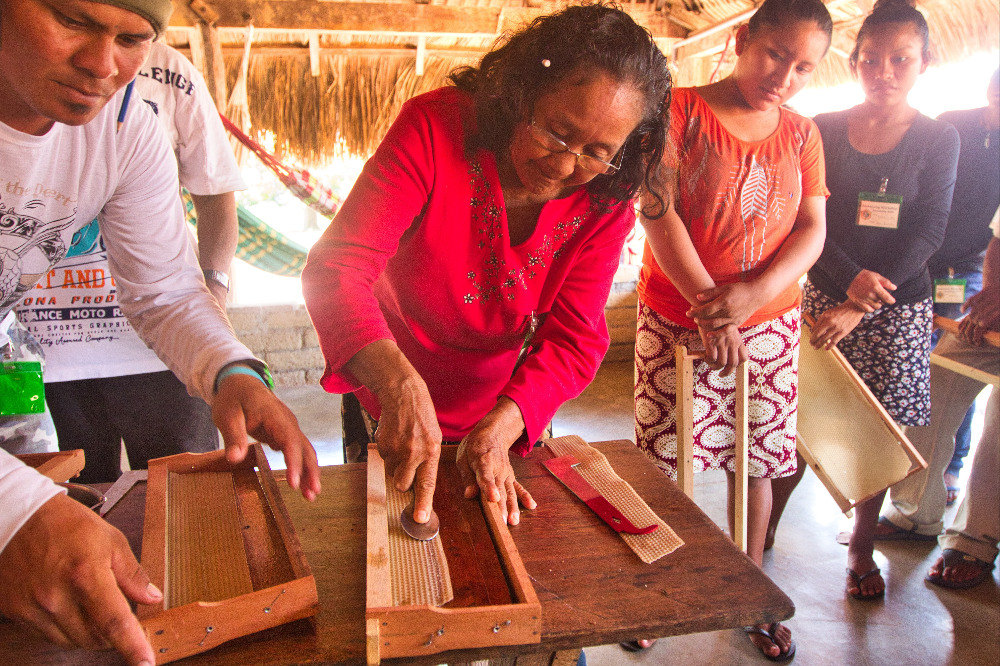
(966, 370)
(281, 521)
(684, 415)
(741, 453)
(57, 465)
(379, 580)
(992, 337)
(390, 18)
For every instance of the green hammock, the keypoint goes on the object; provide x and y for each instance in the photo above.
(260, 245)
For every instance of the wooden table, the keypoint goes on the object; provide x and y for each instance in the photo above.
(593, 589)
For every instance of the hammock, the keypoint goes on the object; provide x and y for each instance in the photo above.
(259, 244)
(299, 182)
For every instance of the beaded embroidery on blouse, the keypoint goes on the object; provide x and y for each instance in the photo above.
(499, 281)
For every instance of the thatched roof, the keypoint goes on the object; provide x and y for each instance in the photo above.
(329, 77)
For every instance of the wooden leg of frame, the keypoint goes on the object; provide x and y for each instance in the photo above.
(684, 415)
(372, 641)
(741, 463)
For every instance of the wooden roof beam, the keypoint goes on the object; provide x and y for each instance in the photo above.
(391, 19)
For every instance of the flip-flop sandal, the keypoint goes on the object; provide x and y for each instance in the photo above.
(952, 495)
(953, 558)
(897, 533)
(860, 596)
(633, 646)
(769, 635)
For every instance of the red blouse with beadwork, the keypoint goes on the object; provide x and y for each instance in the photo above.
(419, 253)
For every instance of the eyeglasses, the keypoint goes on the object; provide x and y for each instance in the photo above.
(554, 144)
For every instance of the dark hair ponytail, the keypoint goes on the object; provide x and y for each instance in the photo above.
(777, 13)
(893, 11)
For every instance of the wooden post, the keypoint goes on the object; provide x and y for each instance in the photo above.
(684, 416)
(421, 54)
(741, 450)
(314, 53)
(215, 65)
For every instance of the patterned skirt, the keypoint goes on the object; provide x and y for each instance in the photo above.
(890, 350)
(773, 348)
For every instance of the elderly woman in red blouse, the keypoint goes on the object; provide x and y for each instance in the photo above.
(490, 218)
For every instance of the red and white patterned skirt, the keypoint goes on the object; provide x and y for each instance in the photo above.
(773, 348)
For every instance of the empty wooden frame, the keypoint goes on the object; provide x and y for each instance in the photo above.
(58, 465)
(844, 433)
(684, 416)
(470, 620)
(220, 545)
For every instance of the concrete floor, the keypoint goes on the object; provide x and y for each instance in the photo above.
(916, 624)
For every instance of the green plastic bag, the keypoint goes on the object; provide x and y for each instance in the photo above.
(22, 390)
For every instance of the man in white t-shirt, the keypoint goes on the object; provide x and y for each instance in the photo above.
(65, 159)
(103, 385)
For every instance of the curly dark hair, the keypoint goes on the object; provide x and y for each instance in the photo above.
(512, 76)
(893, 11)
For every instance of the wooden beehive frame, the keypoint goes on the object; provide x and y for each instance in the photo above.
(224, 528)
(860, 463)
(403, 631)
(58, 465)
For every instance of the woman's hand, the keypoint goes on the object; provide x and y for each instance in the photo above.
(409, 441)
(869, 291)
(408, 434)
(724, 349)
(727, 304)
(831, 326)
(484, 461)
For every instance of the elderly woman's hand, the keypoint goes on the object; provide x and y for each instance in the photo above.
(484, 463)
(409, 440)
(408, 434)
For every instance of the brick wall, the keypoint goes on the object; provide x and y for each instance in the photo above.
(283, 336)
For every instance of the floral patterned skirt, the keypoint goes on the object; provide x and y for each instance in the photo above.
(773, 348)
(890, 350)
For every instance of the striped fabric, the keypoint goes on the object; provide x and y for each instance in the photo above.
(260, 245)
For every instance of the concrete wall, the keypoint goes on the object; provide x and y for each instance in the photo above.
(283, 336)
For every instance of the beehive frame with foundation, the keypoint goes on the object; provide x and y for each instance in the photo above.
(415, 630)
(219, 543)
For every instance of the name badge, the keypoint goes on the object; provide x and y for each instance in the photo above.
(949, 290)
(879, 210)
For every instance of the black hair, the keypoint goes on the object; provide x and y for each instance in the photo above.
(512, 76)
(777, 13)
(893, 11)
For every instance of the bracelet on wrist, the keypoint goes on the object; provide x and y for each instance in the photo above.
(252, 368)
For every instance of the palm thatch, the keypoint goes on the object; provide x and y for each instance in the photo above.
(363, 77)
(345, 110)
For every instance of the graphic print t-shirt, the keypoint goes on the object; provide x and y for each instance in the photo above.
(738, 200)
(74, 312)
